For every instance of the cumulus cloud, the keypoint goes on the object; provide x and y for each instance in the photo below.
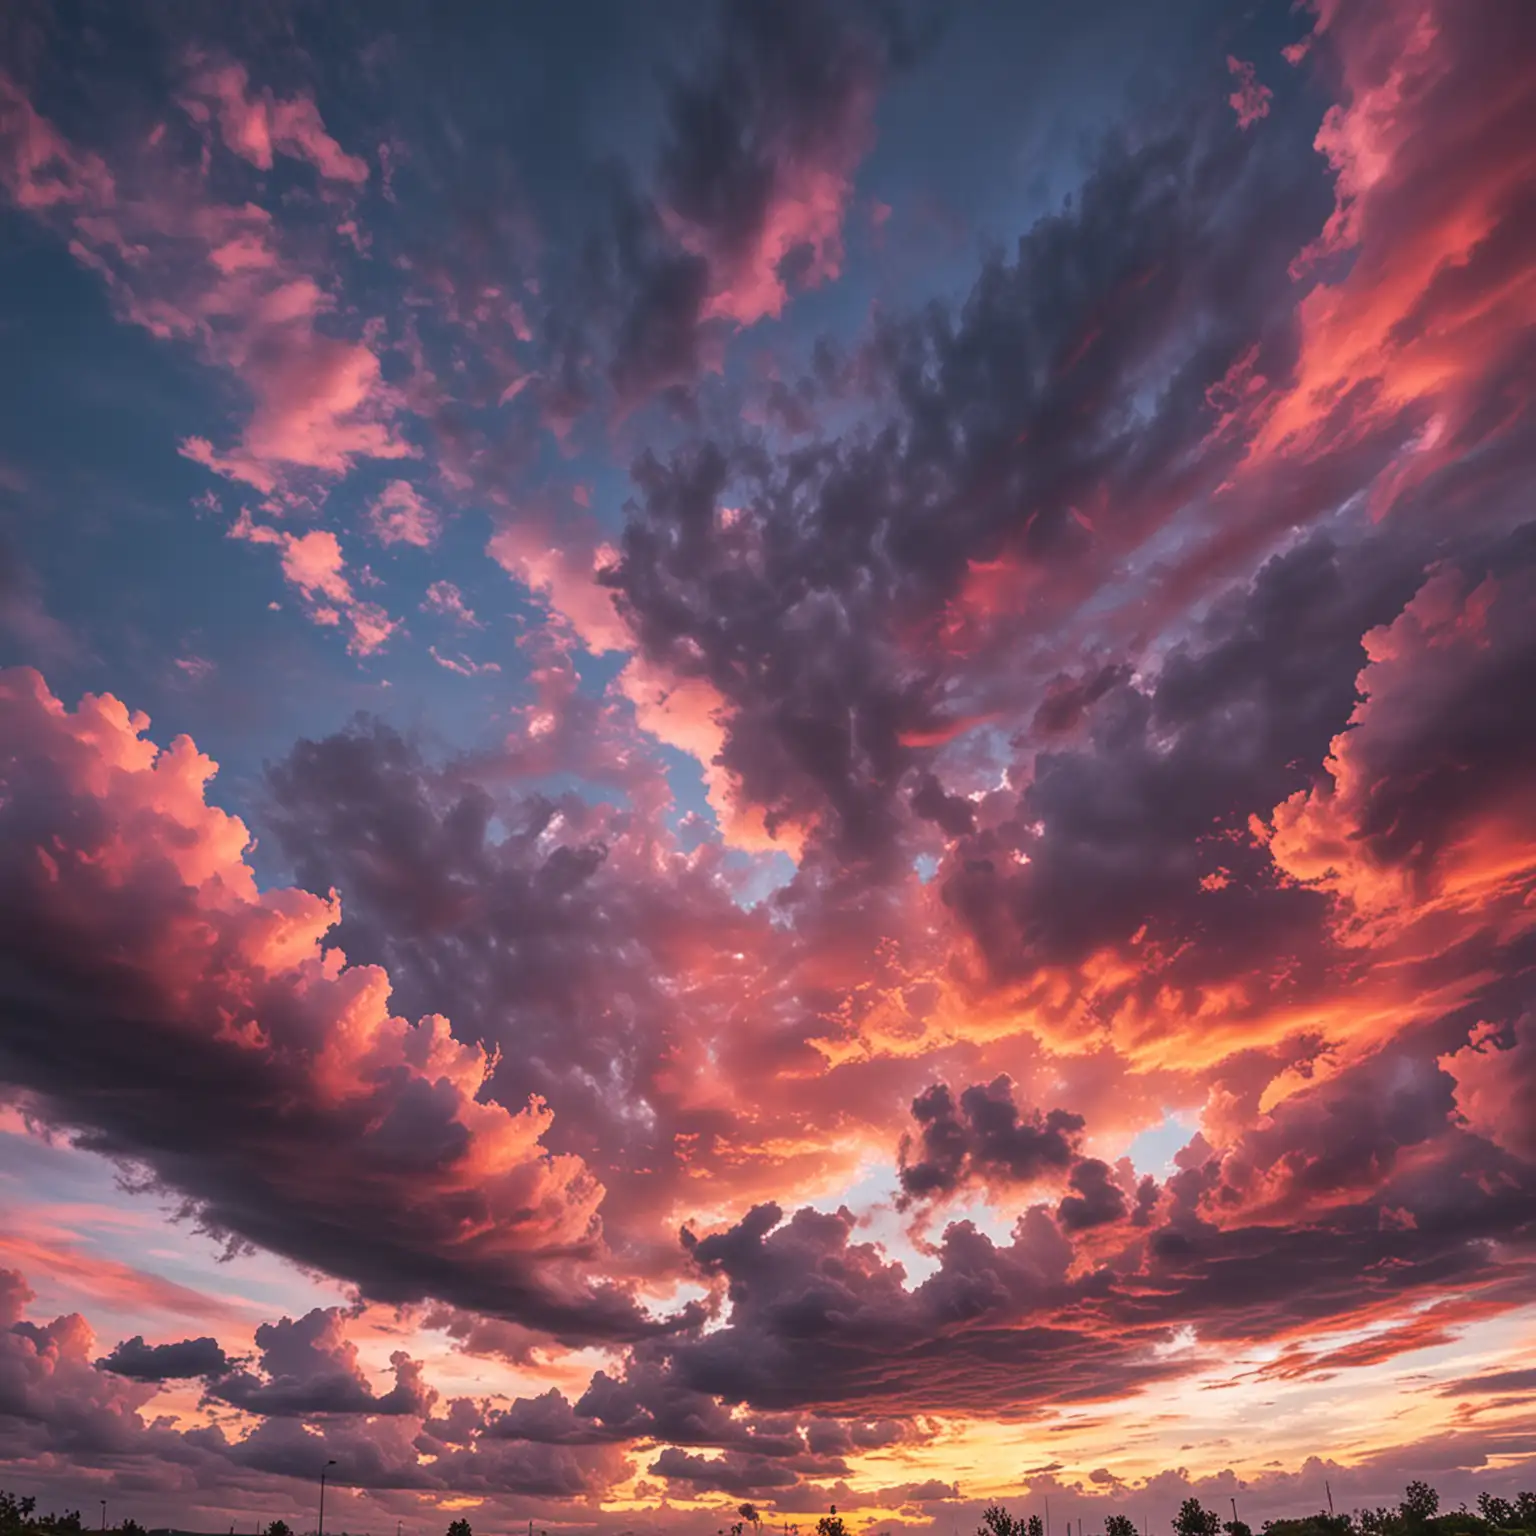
(310, 1367)
(1129, 654)
(983, 1136)
(1495, 1074)
(166, 1362)
(322, 1126)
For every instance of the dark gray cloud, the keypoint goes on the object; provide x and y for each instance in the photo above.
(984, 1137)
(166, 1362)
(308, 1368)
(1004, 430)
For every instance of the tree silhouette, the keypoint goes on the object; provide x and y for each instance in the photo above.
(748, 1512)
(1495, 1511)
(1420, 1503)
(460, 1527)
(1119, 1525)
(1194, 1519)
(279, 1528)
(996, 1521)
(830, 1524)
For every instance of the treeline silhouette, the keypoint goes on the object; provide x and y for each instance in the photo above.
(1417, 1515)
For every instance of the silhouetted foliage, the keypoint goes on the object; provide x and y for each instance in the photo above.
(1320, 1524)
(279, 1528)
(1036, 1526)
(831, 1524)
(1237, 1528)
(18, 1517)
(15, 1513)
(1120, 1525)
(1194, 1519)
(1418, 1515)
(460, 1527)
(996, 1521)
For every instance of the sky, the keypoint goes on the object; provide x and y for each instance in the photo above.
(766, 753)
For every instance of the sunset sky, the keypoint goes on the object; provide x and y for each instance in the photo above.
(766, 750)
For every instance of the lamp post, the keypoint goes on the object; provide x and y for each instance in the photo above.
(103, 1514)
(330, 1463)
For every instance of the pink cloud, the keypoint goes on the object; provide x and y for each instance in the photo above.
(1400, 829)
(111, 1283)
(254, 125)
(399, 516)
(1251, 99)
(462, 664)
(1496, 1085)
(445, 599)
(196, 669)
(313, 562)
(39, 168)
(805, 215)
(559, 559)
(366, 1121)
(186, 266)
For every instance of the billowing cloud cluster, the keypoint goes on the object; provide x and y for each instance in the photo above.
(302, 1114)
(997, 888)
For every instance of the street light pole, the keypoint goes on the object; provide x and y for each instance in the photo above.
(103, 1514)
(330, 1463)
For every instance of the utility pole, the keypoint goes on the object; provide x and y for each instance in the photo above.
(1047, 1517)
(103, 1514)
(1234, 1511)
(1329, 1492)
(331, 1463)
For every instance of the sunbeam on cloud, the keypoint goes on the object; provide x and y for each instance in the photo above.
(699, 830)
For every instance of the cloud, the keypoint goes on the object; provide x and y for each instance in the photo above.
(398, 515)
(462, 665)
(24, 616)
(1426, 807)
(747, 202)
(559, 559)
(859, 595)
(984, 1137)
(188, 267)
(254, 125)
(309, 1367)
(1251, 99)
(445, 599)
(527, 911)
(757, 170)
(54, 1402)
(166, 1362)
(1127, 653)
(320, 1125)
(1495, 1074)
(313, 562)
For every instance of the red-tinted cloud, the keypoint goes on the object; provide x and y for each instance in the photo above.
(188, 266)
(255, 124)
(370, 1132)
